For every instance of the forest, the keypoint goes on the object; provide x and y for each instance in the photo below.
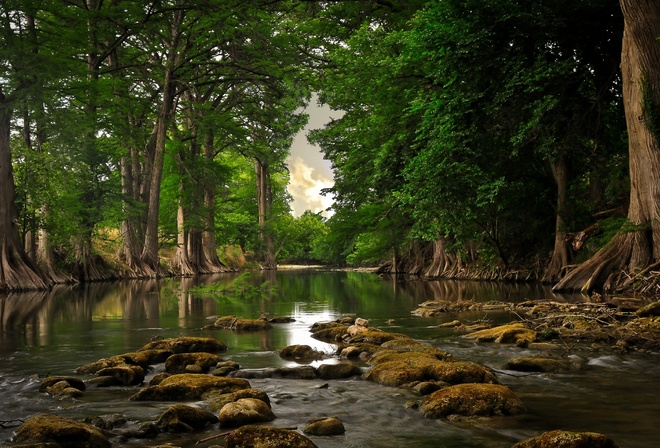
(492, 139)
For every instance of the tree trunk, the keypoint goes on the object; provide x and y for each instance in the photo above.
(17, 271)
(561, 255)
(209, 244)
(640, 68)
(264, 202)
(181, 263)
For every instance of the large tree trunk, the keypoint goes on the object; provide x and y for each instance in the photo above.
(561, 255)
(640, 67)
(17, 271)
(264, 202)
(209, 244)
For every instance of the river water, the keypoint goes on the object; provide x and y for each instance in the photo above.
(53, 333)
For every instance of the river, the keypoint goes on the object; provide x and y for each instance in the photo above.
(53, 333)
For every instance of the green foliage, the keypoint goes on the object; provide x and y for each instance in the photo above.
(241, 288)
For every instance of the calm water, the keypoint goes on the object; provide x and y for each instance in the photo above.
(53, 333)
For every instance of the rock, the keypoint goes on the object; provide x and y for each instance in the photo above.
(652, 309)
(511, 333)
(361, 322)
(102, 363)
(324, 426)
(62, 388)
(338, 371)
(545, 364)
(281, 320)
(157, 379)
(399, 369)
(428, 387)
(483, 400)
(373, 335)
(318, 326)
(124, 374)
(145, 358)
(69, 380)
(182, 418)
(66, 433)
(179, 363)
(107, 422)
(245, 411)
(224, 368)
(359, 350)
(330, 333)
(252, 436)
(189, 386)
(452, 324)
(240, 324)
(215, 400)
(566, 439)
(295, 373)
(300, 352)
(186, 345)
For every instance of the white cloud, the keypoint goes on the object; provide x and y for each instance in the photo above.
(305, 187)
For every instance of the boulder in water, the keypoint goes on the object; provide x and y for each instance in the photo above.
(567, 439)
(545, 364)
(187, 344)
(245, 411)
(471, 400)
(183, 418)
(515, 333)
(324, 426)
(240, 324)
(45, 429)
(252, 436)
(181, 362)
(189, 386)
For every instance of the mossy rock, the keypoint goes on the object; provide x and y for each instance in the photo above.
(374, 335)
(567, 439)
(545, 364)
(102, 363)
(245, 411)
(147, 358)
(505, 334)
(66, 433)
(124, 374)
(471, 400)
(179, 362)
(338, 371)
(318, 326)
(187, 344)
(224, 368)
(240, 324)
(71, 381)
(189, 386)
(215, 400)
(300, 352)
(252, 436)
(183, 418)
(331, 333)
(324, 426)
(410, 345)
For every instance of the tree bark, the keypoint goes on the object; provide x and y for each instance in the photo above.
(264, 202)
(17, 271)
(634, 248)
(561, 255)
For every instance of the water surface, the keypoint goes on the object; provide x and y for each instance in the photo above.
(53, 333)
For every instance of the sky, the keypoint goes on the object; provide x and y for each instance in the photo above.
(309, 171)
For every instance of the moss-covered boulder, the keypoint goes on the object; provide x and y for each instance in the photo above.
(330, 333)
(471, 400)
(102, 363)
(567, 439)
(252, 436)
(70, 381)
(123, 374)
(515, 333)
(338, 370)
(400, 369)
(183, 418)
(245, 411)
(191, 362)
(66, 433)
(215, 400)
(240, 324)
(303, 353)
(324, 426)
(186, 344)
(545, 364)
(188, 386)
(224, 368)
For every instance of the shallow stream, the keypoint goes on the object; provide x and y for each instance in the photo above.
(53, 333)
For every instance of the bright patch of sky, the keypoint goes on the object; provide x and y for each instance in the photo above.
(309, 171)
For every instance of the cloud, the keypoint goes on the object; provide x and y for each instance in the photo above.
(305, 187)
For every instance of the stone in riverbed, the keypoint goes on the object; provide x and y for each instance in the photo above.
(299, 352)
(187, 345)
(71, 381)
(545, 364)
(245, 411)
(252, 436)
(224, 368)
(240, 324)
(324, 426)
(338, 371)
(189, 386)
(515, 333)
(124, 374)
(567, 439)
(215, 400)
(471, 400)
(44, 429)
(183, 418)
(181, 362)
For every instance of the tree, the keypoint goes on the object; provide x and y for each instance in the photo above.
(637, 246)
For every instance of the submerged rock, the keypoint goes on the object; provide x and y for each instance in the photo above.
(62, 385)
(324, 426)
(183, 418)
(224, 368)
(123, 375)
(187, 344)
(252, 436)
(245, 411)
(471, 400)
(240, 324)
(189, 386)
(544, 364)
(44, 429)
(338, 371)
(215, 400)
(567, 439)
(300, 352)
(191, 362)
